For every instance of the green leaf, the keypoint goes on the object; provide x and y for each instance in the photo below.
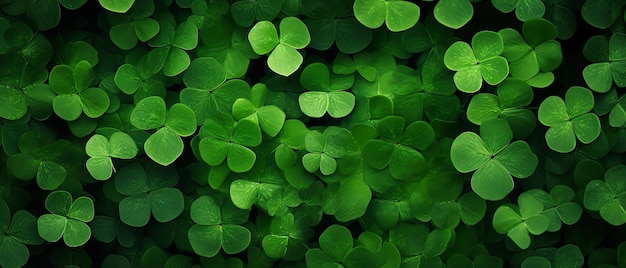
(166, 204)
(149, 113)
(51, 227)
(492, 181)
(263, 37)
(135, 210)
(524, 9)
(180, 119)
(204, 73)
(118, 6)
(314, 103)
(164, 146)
(397, 15)
(12, 252)
(205, 211)
(336, 241)
(294, 33)
(454, 13)
(284, 60)
(14, 101)
(469, 152)
(67, 106)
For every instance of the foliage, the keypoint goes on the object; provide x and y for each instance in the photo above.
(312, 133)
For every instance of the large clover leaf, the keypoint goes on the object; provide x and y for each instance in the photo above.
(397, 15)
(165, 145)
(521, 220)
(68, 219)
(284, 58)
(493, 158)
(609, 62)
(569, 120)
(397, 147)
(148, 191)
(224, 139)
(481, 61)
(533, 52)
(17, 231)
(218, 226)
(454, 13)
(608, 196)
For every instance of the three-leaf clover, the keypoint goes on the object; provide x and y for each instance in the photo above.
(284, 58)
(218, 226)
(16, 232)
(225, 139)
(287, 237)
(524, 9)
(397, 147)
(324, 148)
(397, 15)
(480, 61)
(533, 52)
(68, 219)
(493, 158)
(165, 145)
(170, 45)
(75, 94)
(134, 26)
(337, 248)
(608, 196)
(148, 191)
(208, 92)
(469, 208)
(140, 79)
(269, 117)
(569, 119)
(327, 92)
(419, 246)
(263, 183)
(610, 103)
(518, 221)
(609, 62)
(558, 206)
(101, 150)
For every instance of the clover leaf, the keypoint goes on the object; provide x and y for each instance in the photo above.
(397, 15)
(18, 231)
(600, 13)
(228, 140)
(324, 148)
(512, 95)
(346, 200)
(397, 147)
(287, 237)
(521, 220)
(118, 6)
(453, 13)
(22, 90)
(140, 79)
(75, 94)
(263, 183)
(558, 206)
(134, 26)
(609, 103)
(418, 245)
(208, 92)
(481, 61)
(494, 159)
(245, 12)
(525, 10)
(101, 150)
(284, 58)
(47, 13)
(533, 52)
(148, 191)
(569, 120)
(432, 33)
(469, 208)
(170, 47)
(40, 157)
(346, 33)
(609, 62)
(608, 196)
(327, 92)
(165, 145)
(68, 219)
(569, 256)
(337, 248)
(269, 117)
(218, 226)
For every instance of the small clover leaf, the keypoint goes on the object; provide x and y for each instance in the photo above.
(481, 61)
(101, 150)
(524, 9)
(165, 145)
(608, 196)
(569, 119)
(218, 226)
(75, 94)
(337, 248)
(327, 92)
(609, 62)
(284, 58)
(493, 158)
(558, 206)
(148, 191)
(269, 117)
(398, 147)
(263, 183)
(469, 208)
(245, 12)
(170, 47)
(609, 103)
(454, 13)
(520, 221)
(40, 157)
(287, 237)
(397, 15)
(324, 148)
(135, 26)
(118, 6)
(17, 231)
(228, 140)
(68, 219)
(418, 245)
